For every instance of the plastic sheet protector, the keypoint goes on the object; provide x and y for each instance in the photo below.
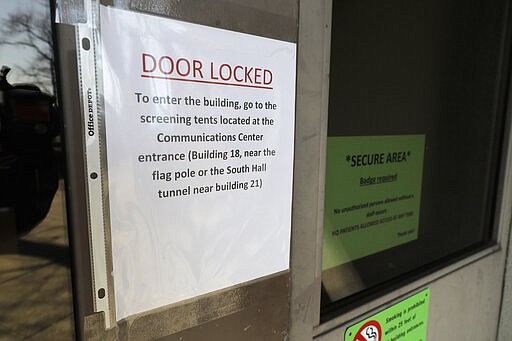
(199, 126)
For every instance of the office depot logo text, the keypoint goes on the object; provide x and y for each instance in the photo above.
(194, 70)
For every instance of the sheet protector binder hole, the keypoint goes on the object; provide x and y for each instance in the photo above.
(94, 175)
(86, 44)
(101, 293)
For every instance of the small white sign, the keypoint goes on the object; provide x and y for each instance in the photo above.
(200, 134)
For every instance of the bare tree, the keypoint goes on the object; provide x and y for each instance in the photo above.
(31, 29)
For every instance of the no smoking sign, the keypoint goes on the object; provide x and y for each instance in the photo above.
(370, 331)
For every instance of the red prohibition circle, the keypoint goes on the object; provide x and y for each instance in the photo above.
(370, 331)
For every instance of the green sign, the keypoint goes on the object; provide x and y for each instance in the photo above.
(372, 195)
(405, 321)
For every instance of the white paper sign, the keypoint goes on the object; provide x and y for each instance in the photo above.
(200, 128)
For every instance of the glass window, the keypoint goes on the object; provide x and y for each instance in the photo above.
(35, 285)
(416, 111)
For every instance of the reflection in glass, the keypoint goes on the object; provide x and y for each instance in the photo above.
(35, 286)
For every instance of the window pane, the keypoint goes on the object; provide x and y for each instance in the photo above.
(35, 282)
(426, 69)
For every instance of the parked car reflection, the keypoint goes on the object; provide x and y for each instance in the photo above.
(29, 171)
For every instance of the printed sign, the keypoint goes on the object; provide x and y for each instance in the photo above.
(199, 134)
(406, 320)
(372, 195)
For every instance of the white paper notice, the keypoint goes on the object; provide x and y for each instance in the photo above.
(200, 133)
